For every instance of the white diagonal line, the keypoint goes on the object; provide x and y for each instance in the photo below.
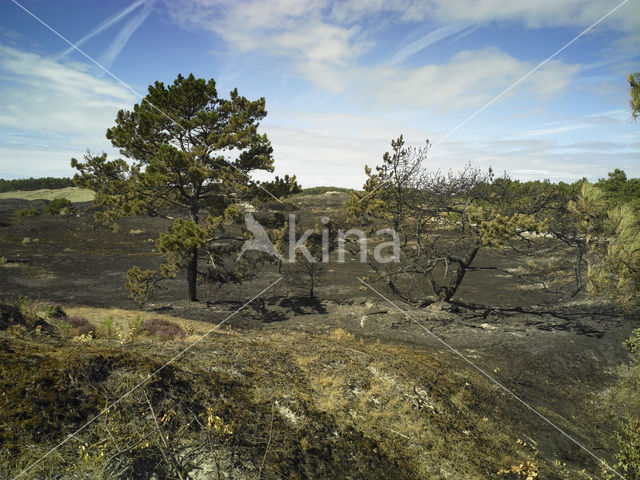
(515, 84)
(137, 94)
(484, 373)
(150, 376)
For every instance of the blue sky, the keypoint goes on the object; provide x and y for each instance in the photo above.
(341, 79)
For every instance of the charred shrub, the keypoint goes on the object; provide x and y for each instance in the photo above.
(16, 316)
(161, 328)
(53, 311)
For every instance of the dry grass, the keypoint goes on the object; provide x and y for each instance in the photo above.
(300, 405)
(124, 319)
(73, 194)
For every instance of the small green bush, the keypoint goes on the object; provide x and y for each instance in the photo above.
(58, 206)
(141, 284)
(633, 344)
(109, 326)
(279, 187)
(27, 212)
(134, 326)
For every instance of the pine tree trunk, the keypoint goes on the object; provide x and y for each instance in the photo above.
(577, 272)
(192, 265)
(446, 292)
(311, 279)
(192, 274)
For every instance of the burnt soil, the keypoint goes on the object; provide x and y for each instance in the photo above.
(558, 356)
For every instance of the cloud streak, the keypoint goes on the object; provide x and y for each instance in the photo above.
(468, 80)
(113, 51)
(325, 46)
(423, 42)
(51, 111)
(106, 24)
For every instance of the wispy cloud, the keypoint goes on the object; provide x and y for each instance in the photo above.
(326, 46)
(611, 118)
(549, 131)
(426, 40)
(536, 158)
(111, 53)
(444, 87)
(10, 34)
(51, 112)
(298, 30)
(109, 22)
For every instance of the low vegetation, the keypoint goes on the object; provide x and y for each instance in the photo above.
(58, 206)
(241, 405)
(27, 212)
(161, 328)
(81, 325)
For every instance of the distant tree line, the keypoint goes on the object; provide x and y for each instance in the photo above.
(35, 183)
(278, 187)
(617, 189)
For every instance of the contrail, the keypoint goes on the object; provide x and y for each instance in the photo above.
(426, 40)
(111, 53)
(103, 26)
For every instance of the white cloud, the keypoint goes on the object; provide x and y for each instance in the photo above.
(332, 149)
(292, 26)
(328, 158)
(50, 111)
(318, 49)
(468, 80)
(295, 28)
(21, 161)
(324, 45)
(612, 118)
(541, 13)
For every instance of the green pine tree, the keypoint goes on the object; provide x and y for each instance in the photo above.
(187, 151)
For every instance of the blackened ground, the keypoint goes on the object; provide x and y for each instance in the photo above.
(558, 357)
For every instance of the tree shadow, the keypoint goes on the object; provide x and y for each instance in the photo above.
(301, 305)
(273, 316)
(591, 321)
